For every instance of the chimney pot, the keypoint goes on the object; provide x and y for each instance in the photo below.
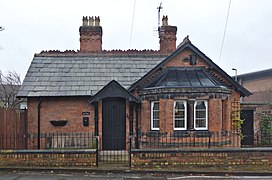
(91, 21)
(97, 21)
(85, 21)
(164, 21)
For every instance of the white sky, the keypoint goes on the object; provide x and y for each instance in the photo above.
(35, 25)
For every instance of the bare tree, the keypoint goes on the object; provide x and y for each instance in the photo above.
(1, 29)
(10, 84)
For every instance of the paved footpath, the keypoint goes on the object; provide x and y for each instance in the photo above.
(51, 175)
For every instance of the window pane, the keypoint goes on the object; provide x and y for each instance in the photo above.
(179, 105)
(200, 123)
(179, 114)
(200, 105)
(201, 114)
(156, 123)
(156, 114)
(179, 124)
(179, 110)
(156, 106)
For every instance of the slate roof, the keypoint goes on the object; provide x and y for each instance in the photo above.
(189, 77)
(83, 74)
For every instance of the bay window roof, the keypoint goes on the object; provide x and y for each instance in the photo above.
(188, 77)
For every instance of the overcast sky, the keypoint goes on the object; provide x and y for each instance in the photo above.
(35, 25)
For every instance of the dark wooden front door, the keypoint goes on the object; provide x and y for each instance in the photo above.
(114, 124)
(247, 128)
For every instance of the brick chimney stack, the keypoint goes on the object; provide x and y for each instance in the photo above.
(167, 35)
(90, 35)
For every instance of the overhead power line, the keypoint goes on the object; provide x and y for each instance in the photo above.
(224, 35)
(131, 30)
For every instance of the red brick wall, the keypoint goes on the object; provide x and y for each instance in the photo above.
(169, 115)
(178, 61)
(90, 38)
(60, 108)
(215, 114)
(168, 39)
(227, 160)
(67, 108)
(48, 159)
(226, 111)
(145, 116)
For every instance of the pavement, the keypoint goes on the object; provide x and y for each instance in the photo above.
(123, 169)
(60, 175)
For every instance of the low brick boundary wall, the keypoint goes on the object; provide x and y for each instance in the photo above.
(47, 158)
(203, 160)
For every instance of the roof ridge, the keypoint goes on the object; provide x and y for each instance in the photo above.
(103, 52)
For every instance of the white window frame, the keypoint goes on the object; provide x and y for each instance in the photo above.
(185, 115)
(206, 123)
(152, 106)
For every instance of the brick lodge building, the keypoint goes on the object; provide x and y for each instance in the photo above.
(118, 94)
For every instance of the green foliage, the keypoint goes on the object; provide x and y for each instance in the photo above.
(237, 124)
(236, 121)
(266, 124)
(266, 129)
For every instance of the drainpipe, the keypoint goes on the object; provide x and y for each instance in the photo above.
(131, 118)
(137, 127)
(39, 123)
(96, 130)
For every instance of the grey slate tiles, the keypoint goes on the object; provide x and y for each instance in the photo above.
(72, 75)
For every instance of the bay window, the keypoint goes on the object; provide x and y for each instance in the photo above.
(187, 115)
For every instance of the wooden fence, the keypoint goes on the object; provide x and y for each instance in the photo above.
(13, 126)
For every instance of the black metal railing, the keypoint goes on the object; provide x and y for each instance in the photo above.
(188, 139)
(144, 140)
(63, 140)
(263, 139)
